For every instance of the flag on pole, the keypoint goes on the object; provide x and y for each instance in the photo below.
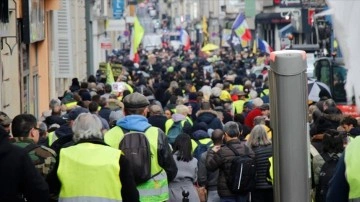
(185, 39)
(109, 74)
(264, 46)
(254, 49)
(136, 37)
(205, 30)
(234, 42)
(241, 28)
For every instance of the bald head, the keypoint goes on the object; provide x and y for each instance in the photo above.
(217, 136)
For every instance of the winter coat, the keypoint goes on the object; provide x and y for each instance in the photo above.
(18, 175)
(262, 155)
(210, 118)
(184, 180)
(105, 113)
(249, 119)
(205, 177)
(158, 121)
(222, 160)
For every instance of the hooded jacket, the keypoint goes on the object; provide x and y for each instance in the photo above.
(19, 178)
(210, 118)
(165, 159)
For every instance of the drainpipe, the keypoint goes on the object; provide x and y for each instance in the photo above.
(89, 42)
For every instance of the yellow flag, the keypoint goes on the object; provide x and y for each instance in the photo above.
(254, 50)
(109, 74)
(205, 30)
(137, 35)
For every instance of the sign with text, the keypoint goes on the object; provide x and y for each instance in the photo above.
(118, 8)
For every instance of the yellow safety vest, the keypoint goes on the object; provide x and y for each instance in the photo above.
(190, 121)
(352, 164)
(238, 106)
(52, 138)
(169, 123)
(70, 105)
(202, 141)
(155, 189)
(129, 88)
(89, 172)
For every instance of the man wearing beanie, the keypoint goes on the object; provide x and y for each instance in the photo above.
(136, 109)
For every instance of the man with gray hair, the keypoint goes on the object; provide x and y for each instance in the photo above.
(220, 157)
(73, 178)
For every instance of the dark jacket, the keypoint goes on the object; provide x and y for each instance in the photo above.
(18, 175)
(105, 113)
(338, 186)
(262, 155)
(158, 121)
(210, 118)
(65, 135)
(354, 132)
(128, 191)
(207, 178)
(222, 160)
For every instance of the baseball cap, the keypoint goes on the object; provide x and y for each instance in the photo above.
(74, 113)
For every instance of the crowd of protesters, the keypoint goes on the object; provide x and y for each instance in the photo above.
(220, 101)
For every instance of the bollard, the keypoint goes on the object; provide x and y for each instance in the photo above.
(288, 109)
(185, 196)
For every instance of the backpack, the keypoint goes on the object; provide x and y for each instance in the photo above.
(201, 148)
(46, 158)
(326, 173)
(242, 176)
(175, 130)
(136, 149)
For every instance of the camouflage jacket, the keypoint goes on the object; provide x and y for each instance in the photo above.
(42, 157)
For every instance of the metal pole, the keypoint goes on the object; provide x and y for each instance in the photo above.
(89, 39)
(288, 105)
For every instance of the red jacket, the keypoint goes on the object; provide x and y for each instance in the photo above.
(249, 119)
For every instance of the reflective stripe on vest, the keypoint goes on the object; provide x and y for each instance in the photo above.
(189, 120)
(52, 138)
(71, 104)
(169, 123)
(87, 199)
(89, 171)
(352, 164)
(129, 88)
(155, 189)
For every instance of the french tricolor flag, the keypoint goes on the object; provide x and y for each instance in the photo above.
(264, 47)
(185, 40)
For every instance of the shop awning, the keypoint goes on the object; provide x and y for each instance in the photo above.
(270, 18)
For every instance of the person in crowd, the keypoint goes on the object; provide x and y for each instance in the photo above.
(351, 126)
(75, 85)
(53, 115)
(249, 119)
(108, 90)
(26, 132)
(136, 108)
(206, 178)
(93, 109)
(168, 113)
(209, 116)
(156, 116)
(262, 147)
(220, 157)
(345, 184)
(63, 135)
(84, 91)
(43, 132)
(5, 122)
(187, 170)
(180, 115)
(332, 148)
(20, 181)
(91, 170)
